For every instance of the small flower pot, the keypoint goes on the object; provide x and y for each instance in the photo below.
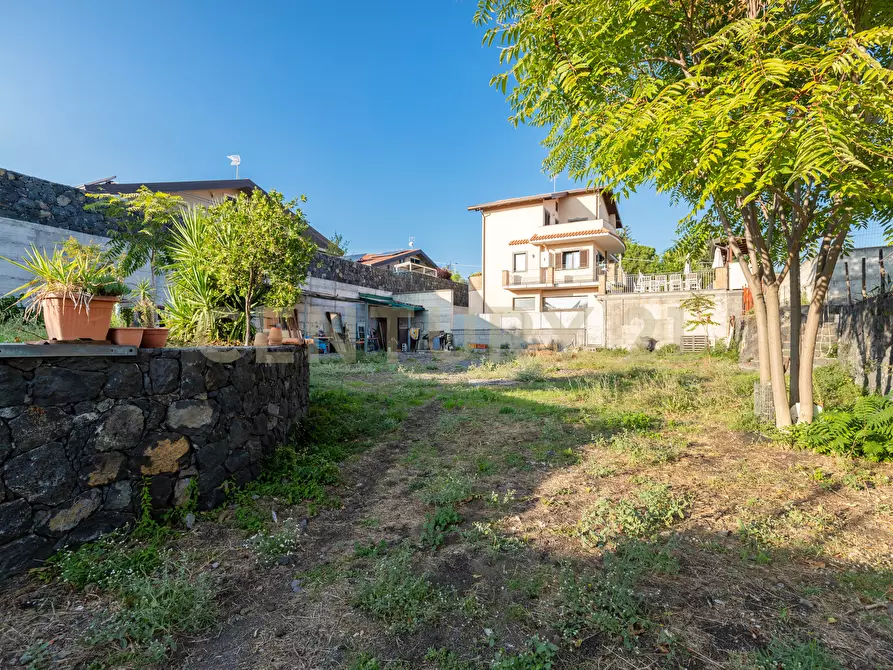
(127, 337)
(67, 321)
(154, 338)
(274, 338)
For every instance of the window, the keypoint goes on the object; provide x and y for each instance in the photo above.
(570, 260)
(565, 304)
(547, 219)
(524, 304)
(519, 262)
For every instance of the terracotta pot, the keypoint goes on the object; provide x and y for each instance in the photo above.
(67, 321)
(275, 337)
(154, 338)
(260, 339)
(128, 337)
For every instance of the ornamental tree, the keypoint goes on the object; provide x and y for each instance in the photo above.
(260, 252)
(774, 117)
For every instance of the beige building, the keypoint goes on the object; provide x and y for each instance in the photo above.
(545, 260)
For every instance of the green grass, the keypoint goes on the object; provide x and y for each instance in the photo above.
(786, 654)
(539, 654)
(446, 489)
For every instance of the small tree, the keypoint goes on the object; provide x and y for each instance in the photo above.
(700, 307)
(260, 250)
(144, 237)
(337, 245)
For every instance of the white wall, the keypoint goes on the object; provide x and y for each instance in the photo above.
(16, 237)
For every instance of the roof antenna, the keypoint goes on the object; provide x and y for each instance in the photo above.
(554, 181)
(235, 159)
(412, 243)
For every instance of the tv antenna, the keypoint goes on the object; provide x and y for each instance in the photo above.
(412, 243)
(235, 159)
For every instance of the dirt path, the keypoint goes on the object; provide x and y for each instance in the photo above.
(272, 622)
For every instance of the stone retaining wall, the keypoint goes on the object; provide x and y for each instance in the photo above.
(27, 198)
(80, 436)
(335, 268)
(865, 331)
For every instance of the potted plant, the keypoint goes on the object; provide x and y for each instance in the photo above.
(76, 289)
(146, 312)
(121, 333)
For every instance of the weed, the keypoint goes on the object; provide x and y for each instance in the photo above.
(489, 536)
(529, 369)
(540, 654)
(393, 594)
(614, 421)
(870, 584)
(863, 430)
(444, 489)
(495, 499)
(795, 528)
(834, 387)
(437, 525)
(38, 656)
(444, 659)
(484, 466)
(654, 508)
(153, 610)
(791, 655)
(370, 550)
(608, 601)
(269, 546)
(646, 448)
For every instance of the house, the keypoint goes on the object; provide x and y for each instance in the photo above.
(404, 260)
(552, 274)
(194, 193)
(545, 258)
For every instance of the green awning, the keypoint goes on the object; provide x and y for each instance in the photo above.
(386, 301)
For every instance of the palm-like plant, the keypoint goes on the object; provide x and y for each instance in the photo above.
(77, 272)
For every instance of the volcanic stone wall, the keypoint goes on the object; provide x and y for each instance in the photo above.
(81, 436)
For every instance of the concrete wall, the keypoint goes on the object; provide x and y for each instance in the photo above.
(79, 436)
(659, 316)
(16, 237)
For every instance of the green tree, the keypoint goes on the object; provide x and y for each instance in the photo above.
(700, 308)
(260, 251)
(773, 117)
(145, 219)
(337, 245)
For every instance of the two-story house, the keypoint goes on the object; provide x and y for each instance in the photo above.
(546, 259)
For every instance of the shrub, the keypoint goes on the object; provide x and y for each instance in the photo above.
(834, 387)
(614, 420)
(865, 430)
(668, 349)
(529, 370)
(654, 508)
(725, 350)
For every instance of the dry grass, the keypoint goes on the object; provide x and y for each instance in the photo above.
(775, 557)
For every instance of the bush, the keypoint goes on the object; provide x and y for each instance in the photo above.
(833, 387)
(865, 430)
(668, 349)
(725, 350)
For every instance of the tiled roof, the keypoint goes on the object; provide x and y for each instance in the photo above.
(514, 243)
(559, 236)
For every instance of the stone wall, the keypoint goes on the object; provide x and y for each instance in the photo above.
(865, 334)
(27, 198)
(80, 436)
(335, 268)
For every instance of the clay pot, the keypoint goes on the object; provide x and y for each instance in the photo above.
(128, 337)
(275, 336)
(260, 339)
(67, 321)
(154, 338)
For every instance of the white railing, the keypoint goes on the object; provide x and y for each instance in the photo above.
(698, 280)
(418, 268)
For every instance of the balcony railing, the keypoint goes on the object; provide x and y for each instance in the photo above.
(699, 280)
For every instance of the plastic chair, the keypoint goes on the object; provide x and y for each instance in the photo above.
(676, 282)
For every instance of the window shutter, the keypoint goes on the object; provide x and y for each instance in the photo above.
(584, 258)
(551, 260)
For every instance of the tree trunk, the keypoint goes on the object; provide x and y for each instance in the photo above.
(796, 324)
(810, 335)
(248, 318)
(776, 357)
(759, 311)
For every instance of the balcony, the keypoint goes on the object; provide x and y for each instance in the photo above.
(418, 268)
(545, 278)
(595, 230)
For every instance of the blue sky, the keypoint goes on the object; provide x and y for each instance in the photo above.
(380, 112)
